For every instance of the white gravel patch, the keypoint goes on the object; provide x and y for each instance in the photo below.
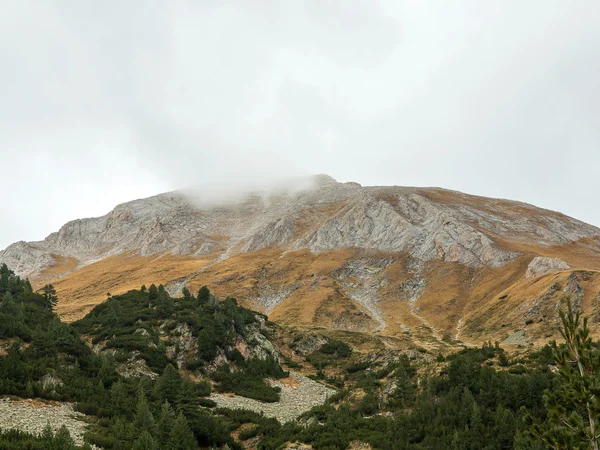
(295, 400)
(32, 417)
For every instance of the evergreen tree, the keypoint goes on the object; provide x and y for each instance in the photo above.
(181, 437)
(11, 315)
(119, 397)
(503, 359)
(186, 293)
(49, 294)
(165, 422)
(144, 420)
(29, 393)
(203, 295)
(63, 438)
(573, 403)
(403, 393)
(188, 398)
(165, 304)
(145, 442)
(168, 385)
(153, 292)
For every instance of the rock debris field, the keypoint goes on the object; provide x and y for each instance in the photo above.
(32, 416)
(298, 395)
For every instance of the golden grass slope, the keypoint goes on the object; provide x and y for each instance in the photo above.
(452, 302)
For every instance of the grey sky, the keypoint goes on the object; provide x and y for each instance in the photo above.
(103, 102)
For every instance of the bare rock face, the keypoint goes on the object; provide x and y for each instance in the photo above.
(543, 266)
(427, 223)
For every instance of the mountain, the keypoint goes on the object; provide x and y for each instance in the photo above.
(145, 370)
(427, 264)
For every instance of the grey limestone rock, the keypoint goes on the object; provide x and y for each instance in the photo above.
(427, 223)
(543, 266)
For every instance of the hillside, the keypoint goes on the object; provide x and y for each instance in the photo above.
(427, 263)
(145, 370)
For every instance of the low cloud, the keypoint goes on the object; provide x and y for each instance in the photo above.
(105, 104)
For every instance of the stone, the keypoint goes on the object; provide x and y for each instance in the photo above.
(32, 416)
(296, 399)
(542, 266)
(427, 223)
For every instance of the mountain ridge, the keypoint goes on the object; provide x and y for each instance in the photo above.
(174, 224)
(390, 260)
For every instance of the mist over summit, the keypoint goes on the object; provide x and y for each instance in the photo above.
(321, 252)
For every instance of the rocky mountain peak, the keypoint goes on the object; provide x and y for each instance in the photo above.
(426, 223)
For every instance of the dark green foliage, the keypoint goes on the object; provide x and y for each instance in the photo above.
(49, 294)
(469, 404)
(357, 367)
(17, 440)
(573, 402)
(404, 391)
(249, 381)
(168, 385)
(204, 295)
(152, 292)
(181, 436)
(503, 360)
(369, 404)
(145, 442)
(338, 348)
(132, 412)
(127, 322)
(54, 347)
(143, 419)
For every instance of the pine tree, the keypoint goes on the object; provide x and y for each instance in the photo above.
(165, 304)
(47, 435)
(145, 442)
(181, 437)
(153, 292)
(188, 398)
(168, 385)
(63, 438)
(49, 294)
(29, 392)
(573, 403)
(404, 391)
(165, 422)
(503, 359)
(186, 293)
(119, 397)
(144, 420)
(203, 295)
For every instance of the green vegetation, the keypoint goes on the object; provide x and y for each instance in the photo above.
(46, 358)
(573, 402)
(139, 321)
(477, 398)
(17, 440)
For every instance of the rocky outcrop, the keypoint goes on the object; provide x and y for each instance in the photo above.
(543, 266)
(428, 224)
(309, 344)
(516, 338)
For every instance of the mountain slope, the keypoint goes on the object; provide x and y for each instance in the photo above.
(424, 262)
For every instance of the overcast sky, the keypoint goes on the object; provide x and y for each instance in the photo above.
(104, 102)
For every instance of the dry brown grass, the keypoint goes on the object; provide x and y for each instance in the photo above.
(81, 290)
(453, 292)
